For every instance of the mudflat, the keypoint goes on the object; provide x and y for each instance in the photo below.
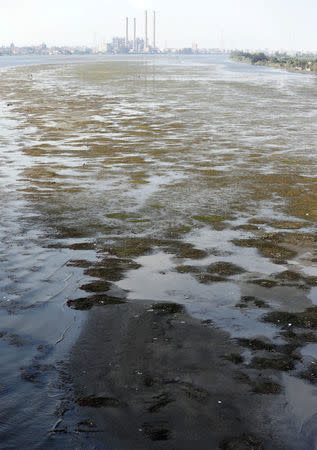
(151, 376)
(159, 254)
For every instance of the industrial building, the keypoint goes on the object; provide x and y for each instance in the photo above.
(131, 43)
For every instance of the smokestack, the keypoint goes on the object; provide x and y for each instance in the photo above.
(145, 34)
(127, 32)
(154, 30)
(134, 34)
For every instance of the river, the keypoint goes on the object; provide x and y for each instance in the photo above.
(178, 179)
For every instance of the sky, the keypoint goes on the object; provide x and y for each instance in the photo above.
(242, 24)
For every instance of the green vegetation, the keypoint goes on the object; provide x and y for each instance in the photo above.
(301, 63)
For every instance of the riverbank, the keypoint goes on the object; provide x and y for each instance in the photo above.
(304, 64)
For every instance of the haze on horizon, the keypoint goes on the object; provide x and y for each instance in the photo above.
(252, 24)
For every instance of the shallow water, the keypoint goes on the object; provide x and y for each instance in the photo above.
(109, 149)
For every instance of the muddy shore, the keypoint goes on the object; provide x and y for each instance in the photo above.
(149, 377)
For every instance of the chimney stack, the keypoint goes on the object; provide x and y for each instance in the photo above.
(145, 33)
(154, 30)
(127, 32)
(134, 35)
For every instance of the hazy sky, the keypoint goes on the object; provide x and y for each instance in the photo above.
(274, 24)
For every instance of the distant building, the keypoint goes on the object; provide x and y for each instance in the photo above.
(136, 44)
(195, 47)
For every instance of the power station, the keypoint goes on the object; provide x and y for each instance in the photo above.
(136, 44)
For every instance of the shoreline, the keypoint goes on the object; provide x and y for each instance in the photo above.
(288, 63)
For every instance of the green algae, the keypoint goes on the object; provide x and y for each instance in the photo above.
(83, 246)
(288, 224)
(299, 339)
(267, 387)
(140, 181)
(155, 432)
(265, 283)
(257, 344)
(311, 281)
(177, 231)
(224, 268)
(250, 301)
(306, 319)
(168, 308)
(243, 442)
(267, 247)
(188, 269)
(310, 374)
(210, 219)
(96, 286)
(99, 402)
(160, 401)
(289, 275)
(284, 363)
(131, 247)
(246, 227)
(258, 221)
(111, 269)
(235, 358)
(208, 278)
(185, 250)
(79, 263)
(86, 303)
(194, 392)
(121, 216)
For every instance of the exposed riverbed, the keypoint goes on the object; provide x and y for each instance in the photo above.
(159, 255)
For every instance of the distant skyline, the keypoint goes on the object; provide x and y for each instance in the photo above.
(252, 24)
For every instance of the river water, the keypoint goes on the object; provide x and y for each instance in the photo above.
(162, 163)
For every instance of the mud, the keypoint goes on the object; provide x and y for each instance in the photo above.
(163, 364)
